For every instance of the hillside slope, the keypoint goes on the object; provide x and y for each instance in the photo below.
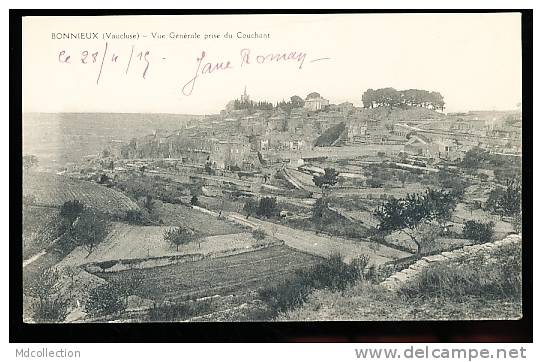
(485, 285)
(53, 190)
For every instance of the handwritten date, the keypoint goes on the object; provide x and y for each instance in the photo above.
(204, 66)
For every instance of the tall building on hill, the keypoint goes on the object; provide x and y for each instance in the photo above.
(315, 102)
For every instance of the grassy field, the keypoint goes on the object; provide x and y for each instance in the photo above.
(53, 190)
(236, 274)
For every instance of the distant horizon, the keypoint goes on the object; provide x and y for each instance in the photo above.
(218, 113)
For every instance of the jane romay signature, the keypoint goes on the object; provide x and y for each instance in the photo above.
(207, 68)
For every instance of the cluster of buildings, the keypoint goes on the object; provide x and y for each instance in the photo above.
(239, 136)
(451, 137)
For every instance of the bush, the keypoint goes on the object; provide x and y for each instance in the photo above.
(374, 183)
(258, 234)
(497, 275)
(331, 274)
(50, 306)
(478, 231)
(178, 311)
(194, 200)
(135, 217)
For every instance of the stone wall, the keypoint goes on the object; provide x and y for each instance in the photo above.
(396, 280)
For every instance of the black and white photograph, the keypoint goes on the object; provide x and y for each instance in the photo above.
(272, 168)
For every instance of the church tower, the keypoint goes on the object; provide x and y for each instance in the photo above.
(244, 96)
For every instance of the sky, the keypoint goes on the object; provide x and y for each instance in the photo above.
(473, 60)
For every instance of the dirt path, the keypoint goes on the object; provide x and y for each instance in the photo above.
(34, 258)
(321, 245)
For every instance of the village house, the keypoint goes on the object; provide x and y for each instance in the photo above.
(230, 153)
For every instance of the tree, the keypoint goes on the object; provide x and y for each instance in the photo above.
(89, 230)
(29, 161)
(297, 101)
(505, 201)
(328, 179)
(50, 305)
(104, 300)
(268, 207)
(406, 215)
(178, 236)
(70, 210)
(403, 177)
(368, 98)
(441, 204)
(318, 210)
(250, 207)
(452, 180)
(478, 231)
(474, 158)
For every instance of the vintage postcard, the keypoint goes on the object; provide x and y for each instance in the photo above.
(272, 167)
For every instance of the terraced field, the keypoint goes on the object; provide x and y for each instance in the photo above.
(236, 274)
(53, 190)
(140, 242)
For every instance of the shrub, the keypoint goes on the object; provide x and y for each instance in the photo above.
(104, 300)
(374, 182)
(178, 311)
(331, 273)
(194, 200)
(135, 217)
(49, 305)
(478, 231)
(258, 234)
(497, 275)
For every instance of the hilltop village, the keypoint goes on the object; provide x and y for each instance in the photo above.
(249, 135)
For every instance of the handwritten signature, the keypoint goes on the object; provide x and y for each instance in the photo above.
(204, 67)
